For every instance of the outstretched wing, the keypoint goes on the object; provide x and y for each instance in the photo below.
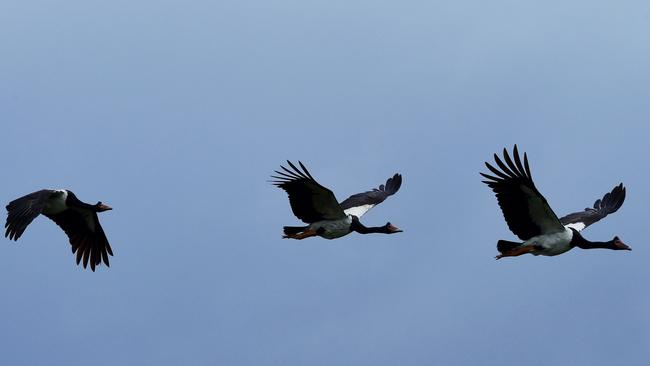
(310, 201)
(360, 203)
(525, 209)
(610, 203)
(22, 211)
(86, 236)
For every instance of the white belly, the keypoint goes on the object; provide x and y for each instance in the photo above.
(332, 229)
(552, 244)
(56, 203)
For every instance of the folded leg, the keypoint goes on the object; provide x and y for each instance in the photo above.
(300, 236)
(514, 252)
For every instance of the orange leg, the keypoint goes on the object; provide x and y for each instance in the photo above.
(300, 236)
(517, 251)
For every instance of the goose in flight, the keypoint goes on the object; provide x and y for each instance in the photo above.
(77, 219)
(317, 206)
(530, 217)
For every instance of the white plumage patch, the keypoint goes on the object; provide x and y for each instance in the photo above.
(552, 244)
(358, 211)
(576, 225)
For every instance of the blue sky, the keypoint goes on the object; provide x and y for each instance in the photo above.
(176, 113)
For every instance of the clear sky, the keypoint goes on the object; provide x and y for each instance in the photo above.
(175, 113)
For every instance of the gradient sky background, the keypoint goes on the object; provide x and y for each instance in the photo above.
(175, 113)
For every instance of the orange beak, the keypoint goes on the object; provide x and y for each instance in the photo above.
(394, 229)
(103, 207)
(622, 245)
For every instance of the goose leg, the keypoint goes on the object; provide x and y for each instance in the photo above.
(523, 249)
(300, 236)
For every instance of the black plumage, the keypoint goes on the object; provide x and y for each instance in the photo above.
(375, 196)
(525, 210)
(530, 217)
(610, 203)
(22, 211)
(310, 201)
(78, 220)
(317, 206)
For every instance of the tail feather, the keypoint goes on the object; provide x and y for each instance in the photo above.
(505, 246)
(291, 230)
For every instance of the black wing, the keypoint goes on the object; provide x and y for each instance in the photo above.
(610, 203)
(360, 203)
(86, 236)
(524, 208)
(310, 201)
(22, 211)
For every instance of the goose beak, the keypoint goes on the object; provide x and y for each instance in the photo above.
(103, 207)
(622, 246)
(394, 229)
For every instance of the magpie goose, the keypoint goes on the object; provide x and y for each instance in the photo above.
(77, 219)
(530, 217)
(317, 206)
